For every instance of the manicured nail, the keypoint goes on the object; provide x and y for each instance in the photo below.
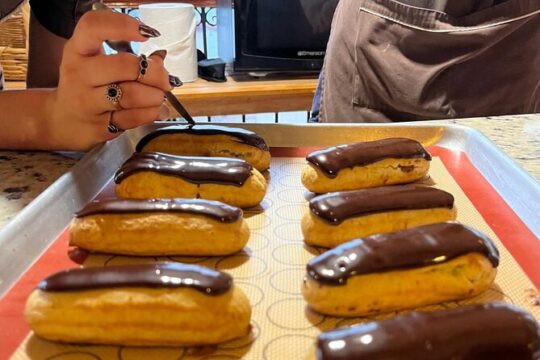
(99, 6)
(175, 81)
(148, 31)
(161, 53)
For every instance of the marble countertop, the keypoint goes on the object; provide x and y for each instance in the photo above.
(24, 175)
(517, 136)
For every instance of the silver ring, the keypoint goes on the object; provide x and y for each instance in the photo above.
(113, 129)
(143, 66)
(114, 94)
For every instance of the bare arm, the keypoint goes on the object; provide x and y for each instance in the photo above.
(24, 119)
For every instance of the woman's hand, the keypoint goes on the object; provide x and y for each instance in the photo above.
(78, 113)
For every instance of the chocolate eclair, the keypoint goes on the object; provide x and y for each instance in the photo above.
(402, 270)
(341, 216)
(154, 227)
(366, 165)
(166, 304)
(208, 140)
(493, 331)
(158, 175)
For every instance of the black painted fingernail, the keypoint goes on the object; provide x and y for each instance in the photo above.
(148, 31)
(161, 53)
(175, 81)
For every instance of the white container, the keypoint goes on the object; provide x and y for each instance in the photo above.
(176, 23)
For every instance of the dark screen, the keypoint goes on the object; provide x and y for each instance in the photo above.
(292, 25)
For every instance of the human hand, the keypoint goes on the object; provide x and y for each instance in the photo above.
(78, 112)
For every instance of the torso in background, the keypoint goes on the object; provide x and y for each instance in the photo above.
(391, 61)
(455, 8)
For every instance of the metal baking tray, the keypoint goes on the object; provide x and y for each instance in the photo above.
(30, 233)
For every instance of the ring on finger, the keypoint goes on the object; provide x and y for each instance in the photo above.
(113, 129)
(114, 94)
(143, 67)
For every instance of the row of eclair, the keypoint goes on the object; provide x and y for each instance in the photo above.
(396, 247)
(181, 193)
(393, 249)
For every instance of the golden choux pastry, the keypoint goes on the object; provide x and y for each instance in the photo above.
(482, 331)
(335, 218)
(154, 227)
(365, 165)
(208, 140)
(158, 175)
(168, 304)
(403, 270)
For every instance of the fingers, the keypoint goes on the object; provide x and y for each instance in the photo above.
(95, 27)
(132, 118)
(134, 95)
(101, 132)
(123, 120)
(159, 54)
(108, 69)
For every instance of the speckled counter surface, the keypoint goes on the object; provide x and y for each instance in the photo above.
(24, 175)
(517, 136)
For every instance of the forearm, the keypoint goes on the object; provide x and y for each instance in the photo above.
(25, 115)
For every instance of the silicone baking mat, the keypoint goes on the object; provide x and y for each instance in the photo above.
(271, 268)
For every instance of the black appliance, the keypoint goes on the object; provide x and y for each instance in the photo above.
(263, 36)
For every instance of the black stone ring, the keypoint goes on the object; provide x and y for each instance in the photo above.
(114, 94)
(113, 129)
(143, 67)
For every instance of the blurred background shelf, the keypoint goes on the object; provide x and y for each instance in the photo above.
(203, 98)
(13, 44)
(240, 96)
(240, 99)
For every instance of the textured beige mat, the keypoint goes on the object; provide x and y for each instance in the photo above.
(270, 271)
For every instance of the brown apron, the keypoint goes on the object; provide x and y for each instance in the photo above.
(392, 61)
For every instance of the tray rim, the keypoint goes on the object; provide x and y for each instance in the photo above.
(86, 178)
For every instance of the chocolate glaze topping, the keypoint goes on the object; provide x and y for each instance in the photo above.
(421, 246)
(339, 206)
(166, 275)
(195, 169)
(243, 136)
(212, 209)
(333, 159)
(494, 331)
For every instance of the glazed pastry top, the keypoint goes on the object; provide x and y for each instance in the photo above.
(421, 246)
(164, 275)
(338, 206)
(212, 209)
(242, 135)
(494, 331)
(194, 169)
(333, 159)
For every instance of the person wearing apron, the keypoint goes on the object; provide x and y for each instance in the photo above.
(411, 60)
